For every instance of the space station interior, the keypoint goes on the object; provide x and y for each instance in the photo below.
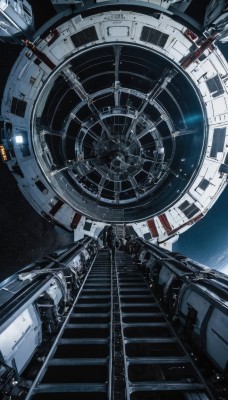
(114, 124)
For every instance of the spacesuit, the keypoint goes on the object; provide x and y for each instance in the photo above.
(112, 243)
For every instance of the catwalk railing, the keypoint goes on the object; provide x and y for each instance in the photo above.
(112, 338)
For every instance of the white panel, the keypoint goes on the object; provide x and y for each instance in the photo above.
(219, 106)
(218, 63)
(209, 68)
(216, 343)
(198, 73)
(20, 338)
(121, 24)
(180, 48)
(174, 54)
(176, 218)
(61, 50)
(118, 31)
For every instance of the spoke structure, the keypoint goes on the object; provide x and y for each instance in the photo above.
(73, 81)
(161, 84)
(117, 51)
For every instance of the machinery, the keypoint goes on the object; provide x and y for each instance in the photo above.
(151, 324)
(34, 304)
(16, 19)
(115, 113)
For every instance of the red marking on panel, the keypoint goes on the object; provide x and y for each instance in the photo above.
(191, 35)
(191, 222)
(75, 220)
(196, 218)
(205, 44)
(52, 37)
(152, 227)
(40, 55)
(165, 223)
(56, 207)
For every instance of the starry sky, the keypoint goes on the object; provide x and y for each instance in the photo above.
(25, 236)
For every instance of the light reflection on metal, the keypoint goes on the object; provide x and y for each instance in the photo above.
(123, 128)
(3, 153)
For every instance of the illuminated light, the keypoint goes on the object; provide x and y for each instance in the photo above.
(193, 119)
(161, 150)
(19, 139)
(3, 153)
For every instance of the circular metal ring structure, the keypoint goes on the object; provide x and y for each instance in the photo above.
(117, 123)
(116, 129)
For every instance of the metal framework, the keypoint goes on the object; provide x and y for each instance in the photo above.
(119, 115)
(116, 343)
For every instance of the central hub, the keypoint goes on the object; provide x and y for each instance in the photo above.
(117, 157)
(120, 157)
(118, 163)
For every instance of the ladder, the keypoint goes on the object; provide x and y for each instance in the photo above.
(117, 344)
(156, 365)
(79, 365)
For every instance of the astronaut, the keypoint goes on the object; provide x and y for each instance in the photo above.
(112, 243)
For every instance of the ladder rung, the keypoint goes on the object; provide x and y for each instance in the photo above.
(157, 360)
(165, 386)
(88, 315)
(92, 305)
(93, 290)
(152, 304)
(78, 361)
(144, 324)
(150, 340)
(137, 314)
(87, 326)
(71, 388)
(65, 341)
(99, 296)
(137, 296)
(134, 290)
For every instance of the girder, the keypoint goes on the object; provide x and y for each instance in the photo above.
(116, 342)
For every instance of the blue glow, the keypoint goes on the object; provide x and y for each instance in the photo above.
(193, 119)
